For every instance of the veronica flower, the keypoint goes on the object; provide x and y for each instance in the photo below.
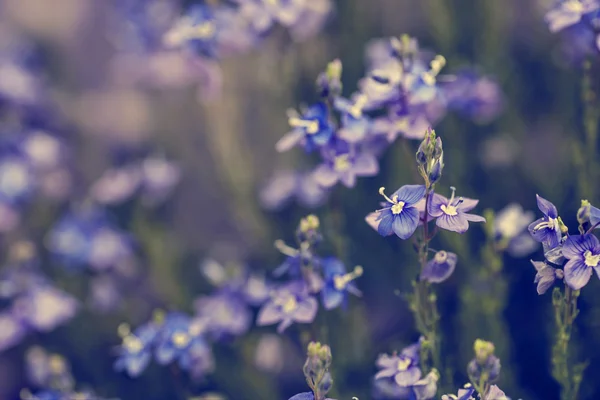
(440, 267)
(43, 150)
(109, 248)
(181, 339)
(398, 122)
(344, 165)
(569, 12)
(12, 330)
(44, 307)
(136, 351)
(463, 394)
(312, 129)
(17, 181)
(18, 84)
(305, 396)
(355, 125)
(546, 229)
(288, 304)
(583, 253)
(337, 282)
(452, 213)
(224, 314)
(510, 229)
(264, 13)
(48, 370)
(545, 276)
(159, 177)
(401, 216)
(117, 185)
(495, 394)
(403, 368)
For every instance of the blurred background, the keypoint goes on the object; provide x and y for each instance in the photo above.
(110, 101)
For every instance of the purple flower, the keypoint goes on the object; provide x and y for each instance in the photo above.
(398, 123)
(337, 282)
(402, 217)
(510, 229)
(305, 396)
(355, 125)
(44, 307)
(344, 167)
(583, 253)
(463, 394)
(569, 12)
(545, 276)
(43, 150)
(452, 213)
(117, 185)
(404, 368)
(285, 185)
(288, 304)
(135, 352)
(440, 267)
(109, 248)
(12, 330)
(224, 313)
(495, 394)
(312, 129)
(17, 181)
(546, 230)
(159, 177)
(181, 338)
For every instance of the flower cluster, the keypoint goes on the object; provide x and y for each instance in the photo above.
(294, 300)
(31, 301)
(580, 254)
(580, 21)
(51, 375)
(400, 376)
(400, 96)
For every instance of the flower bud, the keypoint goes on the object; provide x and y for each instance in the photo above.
(483, 350)
(583, 214)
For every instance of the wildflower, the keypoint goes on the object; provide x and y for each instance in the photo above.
(440, 267)
(510, 230)
(355, 125)
(463, 394)
(398, 122)
(288, 304)
(566, 13)
(43, 150)
(583, 253)
(17, 181)
(225, 314)
(545, 276)
(44, 307)
(48, 370)
(402, 216)
(452, 213)
(344, 166)
(117, 185)
(426, 388)
(312, 129)
(495, 394)
(12, 330)
(546, 229)
(159, 177)
(337, 282)
(404, 368)
(484, 361)
(329, 82)
(181, 338)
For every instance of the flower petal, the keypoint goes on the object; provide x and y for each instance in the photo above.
(406, 223)
(434, 206)
(386, 373)
(435, 272)
(473, 217)
(576, 245)
(306, 311)
(331, 298)
(546, 207)
(408, 377)
(465, 204)
(303, 396)
(325, 176)
(269, 314)
(289, 140)
(410, 194)
(366, 165)
(577, 274)
(455, 223)
(386, 222)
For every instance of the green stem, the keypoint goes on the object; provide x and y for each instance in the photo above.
(590, 127)
(565, 314)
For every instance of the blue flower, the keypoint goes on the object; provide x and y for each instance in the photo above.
(452, 213)
(399, 122)
(198, 30)
(305, 396)
(510, 230)
(546, 230)
(402, 217)
(288, 304)
(312, 129)
(463, 394)
(403, 368)
(440, 267)
(17, 181)
(344, 167)
(12, 330)
(566, 13)
(44, 307)
(181, 339)
(583, 253)
(495, 394)
(337, 282)
(225, 314)
(545, 276)
(355, 125)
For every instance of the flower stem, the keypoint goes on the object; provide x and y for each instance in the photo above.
(565, 312)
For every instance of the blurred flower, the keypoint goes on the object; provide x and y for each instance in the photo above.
(463, 394)
(440, 267)
(484, 361)
(344, 165)
(401, 216)
(400, 123)
(495, 394)
(569, 12)
(583, 253)
(224, 314)
(135, 352)
(312, 129)
(545, 276)
(116, 185)
(510, 229)
(283, 186)
(17, 181)
(12, 330)
(338, 282)
(404, 368)
(267, 354)
(546, 229)
(452, 213)
(44, 308)
(47, 370)
(104, 293)
(288, 304)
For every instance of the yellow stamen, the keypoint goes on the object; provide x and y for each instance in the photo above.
(340, 281)
(398, 207)
(403, 364)
(180, 339)
(591, 259)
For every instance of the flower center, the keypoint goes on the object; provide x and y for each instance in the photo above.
(204, 30)
(403, 363)
(288, 304)
(398, 207)
(551, 223)
(574, 6)
(340, 281)
(310, 126)
(402, 124)
(180, 339)
(448, 209)
(342, 163)
(132, 344)
(591, 259)
(441, 256)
